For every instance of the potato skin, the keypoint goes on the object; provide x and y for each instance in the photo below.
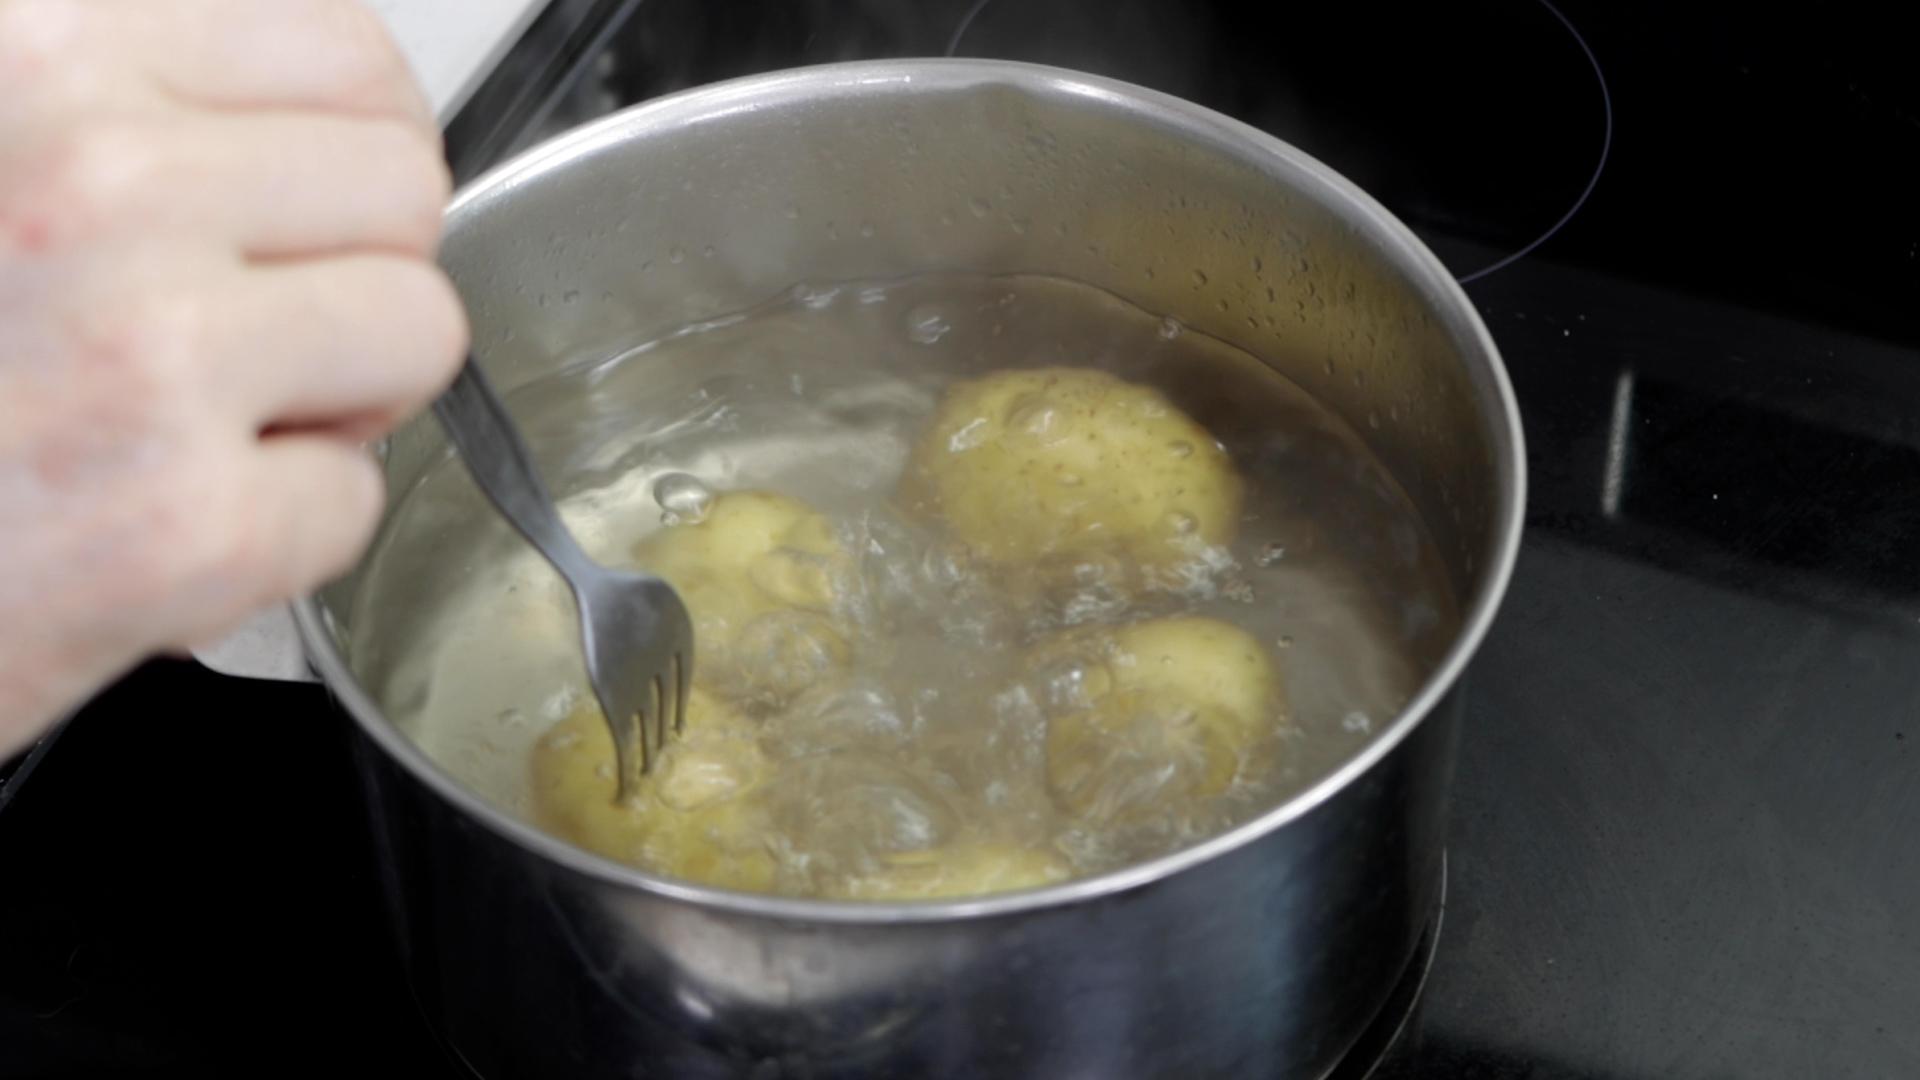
(1046, 476)
(762, 576)
(698, 815)
(703, 816)
(1063, 464)
(1159, 709)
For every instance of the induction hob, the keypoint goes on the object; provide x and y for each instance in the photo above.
(1686, 826)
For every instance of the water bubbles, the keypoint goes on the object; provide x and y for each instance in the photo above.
(899, 697)
(1074, 683)
(557, 706)
(980, 207)
(970, 435)
(1093, 601)
(784, 653)
(571, 296)
(814, 299)
(1036, 419)
(676, 255)
(866, 229)
(796, 578)
(858, 714)
(1199, 278)
(876, 807)
(791, 211)
(1356, 723)
(926, 324)
(683, 498)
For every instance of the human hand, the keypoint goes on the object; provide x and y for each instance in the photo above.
(217, 228)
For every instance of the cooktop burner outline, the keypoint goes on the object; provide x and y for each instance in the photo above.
(974, 11)
(1599, 165)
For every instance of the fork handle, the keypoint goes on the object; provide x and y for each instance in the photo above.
(496, 455)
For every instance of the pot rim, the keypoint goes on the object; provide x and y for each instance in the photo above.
(1193, 121)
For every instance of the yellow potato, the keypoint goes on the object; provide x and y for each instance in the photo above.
(762, 575)
(1166, 708)
(1070, 464)
(697, 816)
(967, 869)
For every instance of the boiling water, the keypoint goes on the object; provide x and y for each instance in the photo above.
(467, 638)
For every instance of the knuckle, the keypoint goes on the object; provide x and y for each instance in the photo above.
(439, 321)
(82, 179)
(305, 556)
(416, 182)
(447, 333)
(226, 538)
(240, 551)
(372, 64)
(36, 35)
(153, 341)
(197, 543)
(364, 501)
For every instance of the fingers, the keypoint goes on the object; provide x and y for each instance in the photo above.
(266, 184)
(359, 341)
(304, 54)
(216, 227)
(229, 55)
(320, 499)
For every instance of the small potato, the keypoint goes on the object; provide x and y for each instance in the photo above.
(762, 576)
(1137, 714)
(1070, 464)
(967, 869)
(697, 816)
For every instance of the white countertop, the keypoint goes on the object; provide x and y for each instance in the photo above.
(453, 44)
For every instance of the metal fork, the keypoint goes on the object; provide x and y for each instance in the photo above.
(634, 629)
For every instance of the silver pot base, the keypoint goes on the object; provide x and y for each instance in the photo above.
(1383, 1052)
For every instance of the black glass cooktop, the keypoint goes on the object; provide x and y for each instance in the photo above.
(1686, 835)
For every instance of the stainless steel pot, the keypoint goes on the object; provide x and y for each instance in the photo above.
(1263, 951)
